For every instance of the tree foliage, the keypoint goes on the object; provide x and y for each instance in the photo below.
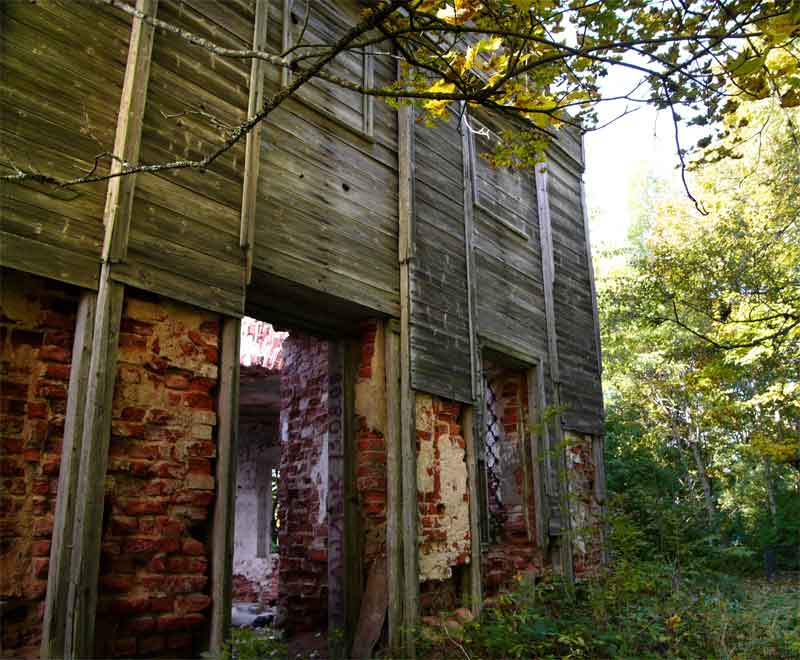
(702, 345)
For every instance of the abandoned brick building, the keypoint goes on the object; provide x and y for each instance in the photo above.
(408, 417)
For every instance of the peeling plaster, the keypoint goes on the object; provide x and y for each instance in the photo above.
(370, 394)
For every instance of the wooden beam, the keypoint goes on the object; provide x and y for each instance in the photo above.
(335, 488)
(557, 448)
(353, 547)
(468, 165)
(85, 560)
(475, 581)
(55, 611)
(119, 197)
(538, 448)
(548, 269)
(252, 153)
(408, 445)
(225, 506)
(81, 603)
(394, 492)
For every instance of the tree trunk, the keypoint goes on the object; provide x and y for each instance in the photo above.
(703, 476)
(771, 498)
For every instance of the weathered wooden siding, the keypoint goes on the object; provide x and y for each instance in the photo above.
(510, 294)
(60, 84)
(184, 239)
(326, 210)
(440, 325)
(581, 393)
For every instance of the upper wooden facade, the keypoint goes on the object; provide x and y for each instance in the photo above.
(474, 259)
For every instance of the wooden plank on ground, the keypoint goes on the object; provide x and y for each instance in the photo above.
(373, 611)
(224, 510)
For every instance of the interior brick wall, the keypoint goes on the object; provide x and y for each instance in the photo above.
(37, 323)
(302, 491)
(153, 591)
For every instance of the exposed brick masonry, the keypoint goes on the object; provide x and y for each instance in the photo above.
(444, 534)
(370, 441)
(160, 484)
(513, 549)
(303, 534)
(584, 509)
(37, 321)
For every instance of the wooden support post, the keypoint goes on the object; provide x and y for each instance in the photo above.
(475, 583)
(468, 165)
(394, 492)
(82, 597)
(225, 504)
(55, 611)
(353, 550)
(557, 449)
(252, 153)
(535, 380)
(408, 443)
(89, 501)
(128, 139)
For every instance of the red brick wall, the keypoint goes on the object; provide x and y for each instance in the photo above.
(160, 484)
(512, 510)
(585, 511)
(370, 442)
(37, 321)
(303, 534)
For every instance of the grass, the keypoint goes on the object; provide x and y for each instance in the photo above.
(644, 611)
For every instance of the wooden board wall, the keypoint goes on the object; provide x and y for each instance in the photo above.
(510, 291)
(581, 392)
(60, 83)
(439, 321)
(184, 239)
(326, 209)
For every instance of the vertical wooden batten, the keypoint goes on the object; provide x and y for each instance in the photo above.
(88, 522)
(353, 545)
(471, 421)
(408, 449)
(394, 492)
(58, 576)
(557, 449)
(128, 140)
(82, 595)
(225, 504)
(538, 447)
(252, 157)
(475, 581)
